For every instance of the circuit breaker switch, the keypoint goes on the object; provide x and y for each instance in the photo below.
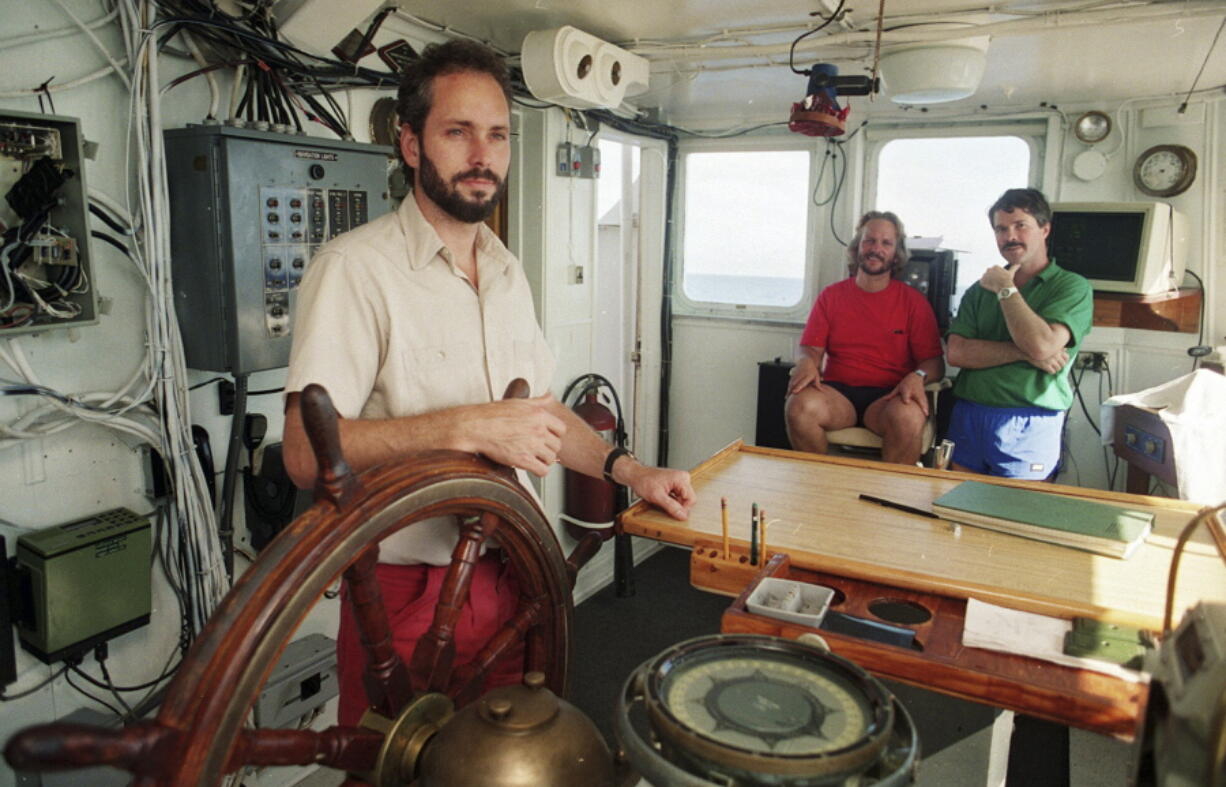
(304, 679)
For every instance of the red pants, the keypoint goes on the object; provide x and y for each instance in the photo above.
(410, 594)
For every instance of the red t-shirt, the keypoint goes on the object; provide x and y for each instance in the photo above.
(872, 338)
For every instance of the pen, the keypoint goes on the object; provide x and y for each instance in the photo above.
(899, 506)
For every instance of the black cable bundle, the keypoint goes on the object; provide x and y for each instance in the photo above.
(283, 81)
(36, 189)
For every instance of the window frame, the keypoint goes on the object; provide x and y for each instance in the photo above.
(683, 306)
(1035, 131)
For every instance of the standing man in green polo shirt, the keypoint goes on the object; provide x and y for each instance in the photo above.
(1014, 339)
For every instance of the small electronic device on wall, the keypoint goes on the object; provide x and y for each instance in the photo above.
(82, 583)
(1131, 247)
(1090, 129)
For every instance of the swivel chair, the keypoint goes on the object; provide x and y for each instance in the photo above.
(861, 441)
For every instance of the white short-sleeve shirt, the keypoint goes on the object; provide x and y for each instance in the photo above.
(390, 327)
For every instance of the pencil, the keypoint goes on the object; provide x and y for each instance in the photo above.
(753, 536)
(723, 513)
(766, 555)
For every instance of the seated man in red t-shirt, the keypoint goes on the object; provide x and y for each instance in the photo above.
(879, 342)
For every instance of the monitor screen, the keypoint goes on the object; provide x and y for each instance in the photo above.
(1102, 246)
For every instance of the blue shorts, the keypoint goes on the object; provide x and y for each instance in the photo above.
(1014, 442)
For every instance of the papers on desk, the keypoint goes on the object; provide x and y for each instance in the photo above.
(1027, 634)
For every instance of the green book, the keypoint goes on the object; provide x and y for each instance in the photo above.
(1068, 521)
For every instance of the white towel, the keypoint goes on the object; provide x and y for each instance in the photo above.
(1193, 407)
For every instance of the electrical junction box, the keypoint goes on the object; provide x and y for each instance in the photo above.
(248, 209)
(568, 161)
(589, 162)
(58, 256)
(83, 583)
(304, 679)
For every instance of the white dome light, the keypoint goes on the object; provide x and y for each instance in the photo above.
(934, 73)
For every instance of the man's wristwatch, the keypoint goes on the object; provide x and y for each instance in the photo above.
(1005, 292)
(922, 374)
(614, 455)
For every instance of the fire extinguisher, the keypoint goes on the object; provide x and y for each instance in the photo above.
(594, 502)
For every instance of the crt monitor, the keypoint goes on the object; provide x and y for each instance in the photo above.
(1132, 247)
(934, 272)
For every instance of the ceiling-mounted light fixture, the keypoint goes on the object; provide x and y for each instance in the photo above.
(935, 73)
(1092, 127)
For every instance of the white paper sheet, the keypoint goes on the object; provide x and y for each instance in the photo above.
(1027, 634)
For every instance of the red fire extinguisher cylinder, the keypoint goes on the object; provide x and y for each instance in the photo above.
(590, 499)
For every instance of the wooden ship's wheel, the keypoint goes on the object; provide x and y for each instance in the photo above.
(199, 734)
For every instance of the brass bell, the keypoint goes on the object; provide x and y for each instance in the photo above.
(517, 736)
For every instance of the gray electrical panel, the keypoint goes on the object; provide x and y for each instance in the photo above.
(248, 209)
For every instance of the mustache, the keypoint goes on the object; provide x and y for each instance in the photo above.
(1015, 245)
(477, 173)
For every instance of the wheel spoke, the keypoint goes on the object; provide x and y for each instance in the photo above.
(584, 551)
(143, 748)
(470, 678)
(386, 680)
(343, 748)
(335, 480)
(433, 658)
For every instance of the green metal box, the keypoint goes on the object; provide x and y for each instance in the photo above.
(88, 581)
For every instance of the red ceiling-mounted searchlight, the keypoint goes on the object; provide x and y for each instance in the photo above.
(819, 114)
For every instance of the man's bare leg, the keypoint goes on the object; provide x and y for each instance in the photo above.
(901, 426)
(811, 413)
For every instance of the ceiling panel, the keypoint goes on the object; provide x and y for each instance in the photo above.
(1112, 60)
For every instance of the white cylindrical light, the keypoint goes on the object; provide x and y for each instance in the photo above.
(934, 73)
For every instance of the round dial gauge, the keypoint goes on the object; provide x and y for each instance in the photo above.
(1165, 170)
(744, 704)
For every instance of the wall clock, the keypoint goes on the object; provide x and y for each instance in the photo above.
(1165, 170)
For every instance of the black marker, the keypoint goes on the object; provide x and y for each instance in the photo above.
(899, 506)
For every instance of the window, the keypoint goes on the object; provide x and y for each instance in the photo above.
(611, 185)
(745, 228)
(943, 187)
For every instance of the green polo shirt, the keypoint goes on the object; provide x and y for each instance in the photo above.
(1056, 295)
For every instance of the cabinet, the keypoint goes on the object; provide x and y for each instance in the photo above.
(1168, 311)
